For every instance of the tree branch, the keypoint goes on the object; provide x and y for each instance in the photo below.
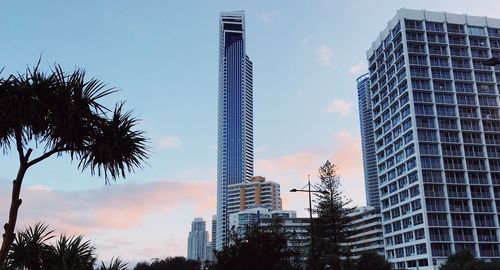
(45, 155)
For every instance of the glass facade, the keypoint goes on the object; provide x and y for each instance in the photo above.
(367, 140)
(437, 128)
(235, 115)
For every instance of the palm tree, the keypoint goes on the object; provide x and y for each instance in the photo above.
(115, 264)
(72, 253)
(29, 250)
(60, 113)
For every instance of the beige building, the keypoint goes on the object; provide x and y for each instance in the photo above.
(256, 193)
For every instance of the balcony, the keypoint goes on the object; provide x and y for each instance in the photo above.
(463, 238)
(434, 194)
(459, 208)
(481, 195)
(457, 194)
(438, 222)
(461, 223)
(489, 253)
(486, 238)
(485, 223)
(441, 253)
(436, 208)
(440, 237)
(482, 209)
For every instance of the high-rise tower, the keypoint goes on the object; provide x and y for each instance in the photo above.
(235, 127)
(197, 240)
(437, 135)
(367, 141)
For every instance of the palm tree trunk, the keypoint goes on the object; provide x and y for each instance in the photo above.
(9, 227)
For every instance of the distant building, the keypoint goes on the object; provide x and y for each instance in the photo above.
(296, 229)
(368, 141)
(209, 252)
(197, 240)
(366, 225)
(214, 237)
(256, 193)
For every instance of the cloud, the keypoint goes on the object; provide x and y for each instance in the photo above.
(291, 170)
(339, 106)
(120, 206)
(167, 142)
(325, 55)
(358, 68)
(260, 149)
(266, 17)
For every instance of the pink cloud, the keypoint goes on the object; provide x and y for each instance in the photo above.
(291, 170)
(340, 106)
(325, 55)
(169, 142)
(112, 207)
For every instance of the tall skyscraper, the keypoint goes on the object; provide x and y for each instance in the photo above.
(197, 240)
(235, 131)
(437, 135)
(367, 140)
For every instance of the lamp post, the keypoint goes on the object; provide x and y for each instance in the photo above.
(492, 62)
(309, 191)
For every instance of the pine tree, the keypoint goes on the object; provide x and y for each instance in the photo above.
(333, 221)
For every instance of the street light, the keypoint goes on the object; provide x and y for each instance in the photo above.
(491, 62)
(309, 191)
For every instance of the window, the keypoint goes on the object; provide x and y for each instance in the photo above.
(425, 122)
(438, 50)
(434, 26)
(427, 135)
(418, 60)
(444, 98)
(412, 177)
(408, 137)
(442, 85)
(416, 205)
(436, 38)
(466, 100)
(447, 123)
(476, 30)
(412, 24)
(462, 75)
(421, 84)
(463, 87)
(439, 61)
(455, 28)
(423, 109)
(418, 219)
(414, 36)
(429, 149)
(477, 41)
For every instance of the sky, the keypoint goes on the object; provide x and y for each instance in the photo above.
(163, 57)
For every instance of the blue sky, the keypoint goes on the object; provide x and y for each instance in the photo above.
(163, 56)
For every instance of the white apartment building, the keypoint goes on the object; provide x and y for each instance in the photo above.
(437, 136)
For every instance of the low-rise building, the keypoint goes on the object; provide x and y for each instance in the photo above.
(256, 193)
(366, 225)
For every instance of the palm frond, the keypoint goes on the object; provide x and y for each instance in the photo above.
(114, 264)
(116, 148)
(30, 249)
(72, 253)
